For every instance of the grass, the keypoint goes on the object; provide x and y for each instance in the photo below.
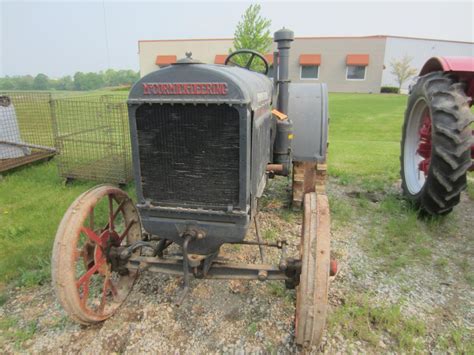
(364, 137)
(11, 331)
(359, 318)
(457, 340)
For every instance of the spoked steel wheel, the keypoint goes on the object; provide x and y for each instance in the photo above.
(85, 283)
(436, 144)
(312, 291)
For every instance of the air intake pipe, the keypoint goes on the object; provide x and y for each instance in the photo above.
(284, 126)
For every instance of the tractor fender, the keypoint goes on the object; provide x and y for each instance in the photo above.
(448, 64)
(308, 109)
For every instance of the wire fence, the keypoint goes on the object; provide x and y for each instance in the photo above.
(91, 133)
(26, 132)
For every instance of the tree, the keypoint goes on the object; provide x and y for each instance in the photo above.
(64, 83)
(253, 32)
(41, 82)
(402, 70)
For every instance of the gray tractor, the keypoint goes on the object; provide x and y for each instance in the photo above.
(205, 140)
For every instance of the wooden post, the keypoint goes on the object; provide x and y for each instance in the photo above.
(307, 177)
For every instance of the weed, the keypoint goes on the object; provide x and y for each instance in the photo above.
(441, 264)
(360, 318)
(40, 276)
(271, 234)
(396, 237)
(3, 298)
(357, 271)
(288, 215)
(341, 211)
(470, 189)
(457, 340)
(465, 264)
(252, 328)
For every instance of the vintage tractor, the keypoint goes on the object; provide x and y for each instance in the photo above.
(205, 139)
(437, 148)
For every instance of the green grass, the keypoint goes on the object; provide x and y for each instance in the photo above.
(10, 331)
(364, 137)
(359, 318)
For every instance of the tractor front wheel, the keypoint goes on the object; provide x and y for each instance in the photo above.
(436, 144)
(86, 284)
(312, 291)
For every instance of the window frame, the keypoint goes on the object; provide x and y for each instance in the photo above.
(351, 65)
(313, 65)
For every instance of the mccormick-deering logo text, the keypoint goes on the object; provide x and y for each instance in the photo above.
(184, 88)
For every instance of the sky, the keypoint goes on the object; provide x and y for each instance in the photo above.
(61, 37)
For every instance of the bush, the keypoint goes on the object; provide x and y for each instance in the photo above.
(389, 90)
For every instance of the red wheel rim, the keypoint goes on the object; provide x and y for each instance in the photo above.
(424, 145)
(89, 281)
(96, 267)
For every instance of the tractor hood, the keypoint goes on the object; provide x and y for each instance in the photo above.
(203, 83)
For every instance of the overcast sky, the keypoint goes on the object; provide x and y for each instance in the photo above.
(61, 37)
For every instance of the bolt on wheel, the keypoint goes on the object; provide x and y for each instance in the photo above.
(87, 286)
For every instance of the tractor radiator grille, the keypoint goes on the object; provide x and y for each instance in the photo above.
(189, 154)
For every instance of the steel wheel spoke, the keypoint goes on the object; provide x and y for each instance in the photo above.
(91, 235)
(89, 273)
(85, 292)
(114, 216)
(125, 232)
(111, 213)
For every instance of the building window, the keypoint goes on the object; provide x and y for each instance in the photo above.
(309, 64)
(309, 72)
(355, 72)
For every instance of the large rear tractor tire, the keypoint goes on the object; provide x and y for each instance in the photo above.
(436, 144)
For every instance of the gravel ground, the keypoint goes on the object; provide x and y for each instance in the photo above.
(249, 317)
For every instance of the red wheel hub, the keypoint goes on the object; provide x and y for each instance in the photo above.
(424, 145)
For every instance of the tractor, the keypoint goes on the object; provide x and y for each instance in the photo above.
(437, 147)
(205, 140)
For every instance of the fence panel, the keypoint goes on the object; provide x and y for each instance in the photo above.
(92, 135)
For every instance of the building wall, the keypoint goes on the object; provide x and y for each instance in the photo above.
(420, 50)
(333, 50)
(333, 53)
(204, 50)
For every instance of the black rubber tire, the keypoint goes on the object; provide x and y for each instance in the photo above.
(451, 141)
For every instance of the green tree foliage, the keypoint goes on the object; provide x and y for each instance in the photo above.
(401, 70)
(252, 32)
(80, 81)
(41, 82)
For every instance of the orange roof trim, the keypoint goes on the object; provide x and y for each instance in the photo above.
(357, 59)
(310, 59)
(165, 59)
(220, 58)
